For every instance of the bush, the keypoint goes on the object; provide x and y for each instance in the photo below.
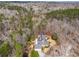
(34, 53)
(18, 50)
(1, 17)
(54, 36)
(5, 49)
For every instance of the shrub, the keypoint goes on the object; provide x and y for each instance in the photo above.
(54, 36)
(18, 50)
(34, 53)
(1, 17)
(5, 49)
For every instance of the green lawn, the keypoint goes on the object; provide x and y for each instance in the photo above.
(34, 53)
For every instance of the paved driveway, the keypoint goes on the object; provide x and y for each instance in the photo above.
(41, 54)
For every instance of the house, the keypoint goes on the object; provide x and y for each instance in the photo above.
(41, 41)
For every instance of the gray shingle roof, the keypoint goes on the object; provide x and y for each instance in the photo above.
(41, 41)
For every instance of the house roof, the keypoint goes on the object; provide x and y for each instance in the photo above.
(41, 41)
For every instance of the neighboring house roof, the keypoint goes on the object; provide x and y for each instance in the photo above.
(41, 41)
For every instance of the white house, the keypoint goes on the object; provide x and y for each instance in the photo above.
(39, 42)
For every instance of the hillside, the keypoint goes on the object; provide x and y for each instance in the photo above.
(21, 23)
